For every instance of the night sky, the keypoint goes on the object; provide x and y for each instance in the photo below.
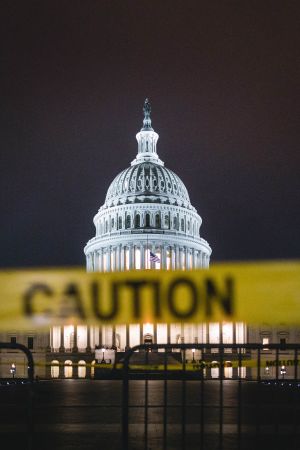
(222, 80)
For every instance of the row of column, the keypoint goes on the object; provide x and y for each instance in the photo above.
(129, 257)
(122, 336)
(74, 348)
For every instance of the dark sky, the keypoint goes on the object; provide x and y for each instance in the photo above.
(222, 80)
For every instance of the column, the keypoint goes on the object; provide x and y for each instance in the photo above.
(62, 340)
(127, 337)
(177, 262)
(49, 340)
(168, 333)
(101, 260)
(100, 336)
(108, 259)
(117, 260)
(113, 336)
(131, 259)
(96, 261)
(75, 348)
(193, 259)
(122, 256)
(142, 252)
(88, 340)
(163, 255)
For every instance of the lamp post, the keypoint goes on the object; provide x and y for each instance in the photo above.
(282, 371)
(13, 369)
(193, 352)
(103, 360)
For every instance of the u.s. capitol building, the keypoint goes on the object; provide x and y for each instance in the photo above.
(146, 222)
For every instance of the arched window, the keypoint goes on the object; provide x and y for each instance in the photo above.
(128, 222)
(182, 224)
(81, 369)
(175, 223)
(54, 369)
(147, 221)
(137, 221)
(68, 369)
(167, 221)
(120, 223)
(157, 221)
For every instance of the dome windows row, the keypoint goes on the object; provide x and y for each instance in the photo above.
(140, 220)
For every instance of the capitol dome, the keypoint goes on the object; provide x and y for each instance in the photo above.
(147, 210)
(147, 182)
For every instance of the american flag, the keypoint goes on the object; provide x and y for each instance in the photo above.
(154, 258)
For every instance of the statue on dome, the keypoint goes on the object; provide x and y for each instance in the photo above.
(147, 108)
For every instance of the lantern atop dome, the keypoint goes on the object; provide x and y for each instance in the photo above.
(147, 139)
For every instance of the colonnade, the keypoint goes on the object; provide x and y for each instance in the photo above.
(137, 256)
(72, 338)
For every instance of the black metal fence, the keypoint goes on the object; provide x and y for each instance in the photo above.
(186, 396)
(227, 397)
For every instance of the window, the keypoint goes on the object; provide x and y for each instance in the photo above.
(175, 223)
(182, 225)
(128, 222)
(30, 342)
(282, 341)
(147, 220)
(13, 340)
(167, 221)
(137, 222)
(157, 221)
(112, 223)
(265, 341)
(54, 369)
(120, 223)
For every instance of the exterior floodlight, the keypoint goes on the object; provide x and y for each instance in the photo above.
(13, 370)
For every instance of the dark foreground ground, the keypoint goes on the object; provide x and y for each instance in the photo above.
(75, 414)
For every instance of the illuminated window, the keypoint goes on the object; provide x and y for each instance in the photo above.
(81, 369)
(214, 371)
(265, 341)
(54, 369)
(228, 369)
(68, 369)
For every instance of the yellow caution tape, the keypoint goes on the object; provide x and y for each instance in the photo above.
(252, 293)
(190, 366)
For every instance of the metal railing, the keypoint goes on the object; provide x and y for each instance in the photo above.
(200, 410)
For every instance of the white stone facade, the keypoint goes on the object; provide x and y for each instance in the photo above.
(147, 208)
